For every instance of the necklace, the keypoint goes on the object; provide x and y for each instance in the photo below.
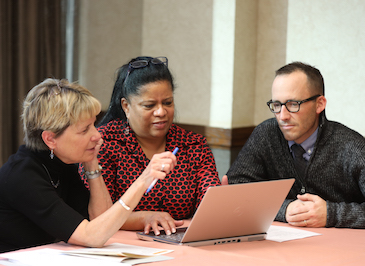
(53, 184)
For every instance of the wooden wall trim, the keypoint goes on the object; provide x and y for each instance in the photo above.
(221, 137)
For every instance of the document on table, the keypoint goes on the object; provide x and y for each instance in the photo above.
(119, 251)
(284, 233)
(42, 257)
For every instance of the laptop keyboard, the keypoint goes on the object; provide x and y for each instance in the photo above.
(176, 236)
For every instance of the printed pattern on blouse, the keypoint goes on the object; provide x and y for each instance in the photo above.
(182, 190)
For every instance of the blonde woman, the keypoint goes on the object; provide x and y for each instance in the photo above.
(42, 198)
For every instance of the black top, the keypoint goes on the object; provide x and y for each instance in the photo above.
(34, 212)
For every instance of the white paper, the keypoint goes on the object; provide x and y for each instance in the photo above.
(284, 233)
(47, 257)
(120, 251)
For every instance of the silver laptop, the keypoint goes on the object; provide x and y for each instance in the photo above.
(229, 214)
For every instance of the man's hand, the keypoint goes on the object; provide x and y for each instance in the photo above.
(308, 210)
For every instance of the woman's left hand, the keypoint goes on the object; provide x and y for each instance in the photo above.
(97, 147)
(93, 164)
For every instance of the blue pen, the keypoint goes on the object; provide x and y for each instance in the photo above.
(154, 181)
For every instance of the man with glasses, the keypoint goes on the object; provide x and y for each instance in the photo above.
(329, 188)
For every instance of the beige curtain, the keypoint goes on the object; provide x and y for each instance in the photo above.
(31, 49)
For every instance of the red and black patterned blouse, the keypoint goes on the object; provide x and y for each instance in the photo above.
(181, 191)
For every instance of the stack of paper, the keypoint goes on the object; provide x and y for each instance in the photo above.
(119, 253)
(112, 254)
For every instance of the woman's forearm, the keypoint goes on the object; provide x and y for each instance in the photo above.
(96, 232)
(100, 199)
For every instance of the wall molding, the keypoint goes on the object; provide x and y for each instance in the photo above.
(221, 137)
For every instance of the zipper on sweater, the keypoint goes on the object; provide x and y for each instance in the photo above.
(301, 179)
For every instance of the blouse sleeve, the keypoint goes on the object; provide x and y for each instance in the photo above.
(108, 159)
(207, 174)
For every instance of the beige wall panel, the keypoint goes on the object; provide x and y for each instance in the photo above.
(182, 31)
(110, 34)
(271, 52)
(244, 63)
(330, 35)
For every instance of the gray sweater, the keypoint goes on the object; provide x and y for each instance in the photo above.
(335, 172)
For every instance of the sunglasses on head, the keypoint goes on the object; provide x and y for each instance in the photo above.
(143, 63)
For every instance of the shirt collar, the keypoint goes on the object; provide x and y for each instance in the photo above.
(308, 144)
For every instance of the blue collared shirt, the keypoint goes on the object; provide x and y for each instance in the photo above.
(308, 145)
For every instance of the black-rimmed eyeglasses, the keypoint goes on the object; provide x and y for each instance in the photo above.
(143, 63)
(291, 106)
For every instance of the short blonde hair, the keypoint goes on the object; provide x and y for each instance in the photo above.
(54, 105)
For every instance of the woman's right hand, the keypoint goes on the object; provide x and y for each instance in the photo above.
(153, 220)
(160, 165)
